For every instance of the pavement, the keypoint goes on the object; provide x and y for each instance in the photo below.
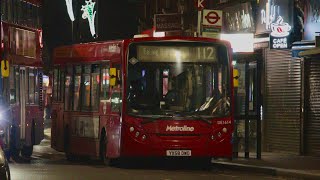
(276, 164)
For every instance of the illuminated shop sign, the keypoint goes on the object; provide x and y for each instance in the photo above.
(280, 34)
(239, 18)
(269, 13)
(280, 29)
(90, 14)
(312, 19)
(237, 41)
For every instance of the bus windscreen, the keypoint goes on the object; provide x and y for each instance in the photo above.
(178, 79)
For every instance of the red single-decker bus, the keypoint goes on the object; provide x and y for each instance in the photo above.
(144, 97)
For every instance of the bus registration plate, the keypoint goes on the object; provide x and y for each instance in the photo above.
(178, 152)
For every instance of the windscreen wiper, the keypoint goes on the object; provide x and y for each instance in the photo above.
(201, 118)
(196, 116)
(154, 118)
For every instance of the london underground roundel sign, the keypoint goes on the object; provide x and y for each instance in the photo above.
(212, 17)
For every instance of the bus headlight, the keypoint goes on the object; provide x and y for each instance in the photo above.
(224, 130)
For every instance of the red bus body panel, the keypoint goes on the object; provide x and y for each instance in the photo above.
(159, 139)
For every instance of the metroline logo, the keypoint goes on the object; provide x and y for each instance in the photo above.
(180, 128)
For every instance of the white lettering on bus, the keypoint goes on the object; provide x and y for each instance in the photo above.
(180, 128)
(224, 122)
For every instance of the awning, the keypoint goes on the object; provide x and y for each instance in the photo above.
(311, 52)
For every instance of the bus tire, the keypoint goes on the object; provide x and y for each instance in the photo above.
(27, 151)
(14, 150)
(69, 156)
(103, 149)
(205, 163)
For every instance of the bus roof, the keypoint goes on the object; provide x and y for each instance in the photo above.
(109, 50)
(88, 52)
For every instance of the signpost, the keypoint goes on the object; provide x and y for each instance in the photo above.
(211, 23)
(200, 4)
(167, 22)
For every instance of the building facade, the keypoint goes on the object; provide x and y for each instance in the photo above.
(288, 83)
(271, 95)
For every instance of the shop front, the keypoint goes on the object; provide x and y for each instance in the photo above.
(282, 78)
(239, 29)
(307, 51)
(311, 115)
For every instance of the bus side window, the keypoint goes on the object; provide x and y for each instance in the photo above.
(31, 82)
(68, 87)
(105, 79)
(90, 87)
(12, 86)
(17, 84)
(37, 85)
(116, 97)
(76, 88)
(95, 80)
(56, 82)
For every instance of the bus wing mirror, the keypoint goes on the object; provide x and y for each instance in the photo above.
(113, 76)
(5, 68)
(236, 78)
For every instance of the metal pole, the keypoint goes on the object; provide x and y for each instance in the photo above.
(258, 105)
(247, 84)
(199, 23)
(235, 135)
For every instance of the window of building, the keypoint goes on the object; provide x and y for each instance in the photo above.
(20, 12)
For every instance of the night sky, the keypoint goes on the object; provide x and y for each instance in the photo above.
(114, 20)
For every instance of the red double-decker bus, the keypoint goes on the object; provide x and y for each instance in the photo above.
(21, 93)
(143, 97)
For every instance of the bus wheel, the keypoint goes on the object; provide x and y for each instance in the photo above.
(27, 151)
(14, 150)
(69, 156)
(205, 163)
(103, 149)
